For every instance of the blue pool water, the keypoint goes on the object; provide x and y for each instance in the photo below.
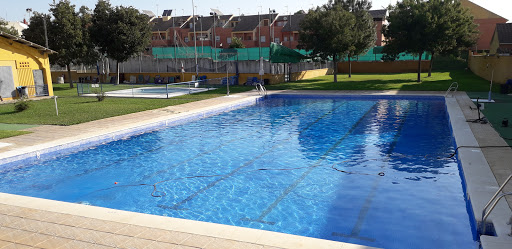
(368, 171)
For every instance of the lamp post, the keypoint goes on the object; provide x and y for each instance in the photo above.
(195, 39)
(202, 35)
(174, 41)
(215, 17)
(270, 31)
(259, 31)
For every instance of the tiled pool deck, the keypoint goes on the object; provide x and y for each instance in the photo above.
(27, 222)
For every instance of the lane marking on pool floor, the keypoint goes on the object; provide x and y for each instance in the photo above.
(356, 230)
(290, 188)
(182, 162)
(211, 184)
(139, 154)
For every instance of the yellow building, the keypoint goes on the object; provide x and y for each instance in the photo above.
(24, 68)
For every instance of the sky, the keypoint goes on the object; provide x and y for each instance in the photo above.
(16, 11)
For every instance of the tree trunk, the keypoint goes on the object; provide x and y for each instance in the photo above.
(117, 78)
(349, 67)
(335, 60)
(431, 65)
(419, 67)
(69, 76)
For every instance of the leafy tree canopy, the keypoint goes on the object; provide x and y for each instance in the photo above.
(236, 43)
(337, 29)
(35, 31)
(119, 32)
(435, 26)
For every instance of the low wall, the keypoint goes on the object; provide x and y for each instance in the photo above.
(274, 78)
(483, 66)
(304, 75)
(384, 66)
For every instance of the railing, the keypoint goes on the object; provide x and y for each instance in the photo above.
(32, 91)
(453, 87)
(492, 203)
(261, 89)
(148, 90)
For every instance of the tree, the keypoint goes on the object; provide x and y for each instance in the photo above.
(66, 35)
(9, 30)
(326, 31)
(89, 51)
(435, 26)
(363, 32)
(119, 32)
(408, 29)
(451, 28)
(236, 43)
(35, 31)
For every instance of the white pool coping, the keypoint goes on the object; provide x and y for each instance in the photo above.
(480, 181)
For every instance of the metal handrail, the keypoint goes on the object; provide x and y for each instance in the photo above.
(494, 202)
(261, 89)
(454, 86)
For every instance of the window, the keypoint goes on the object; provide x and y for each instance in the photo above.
(248, 38)
(285, 38)
(265, 22)
(291, 38)
(276, 40)
(186, 39)
(262, 38)
(191, 25)
(217, 38)
(229, 40)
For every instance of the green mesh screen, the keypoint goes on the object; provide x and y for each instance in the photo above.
(219, 54)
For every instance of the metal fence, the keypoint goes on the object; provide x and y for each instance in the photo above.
(157, 91)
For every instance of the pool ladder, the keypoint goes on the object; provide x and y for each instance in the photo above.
(492, 203)
(453, 87)
(261, 89)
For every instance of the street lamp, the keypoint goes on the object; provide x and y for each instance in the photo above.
(200, 18)
(215, 17)
(259, 30)
(270, 33)
(195, 38)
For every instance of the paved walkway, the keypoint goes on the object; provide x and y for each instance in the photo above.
(27, 222)
(498, 158)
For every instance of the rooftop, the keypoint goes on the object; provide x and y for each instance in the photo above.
(28, 43)
(504, 33)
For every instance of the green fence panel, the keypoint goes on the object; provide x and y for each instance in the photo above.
(254, 54)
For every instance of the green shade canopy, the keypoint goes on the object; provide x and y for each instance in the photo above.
(282, 54)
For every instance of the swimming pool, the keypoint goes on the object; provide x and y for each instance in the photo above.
(365, 171)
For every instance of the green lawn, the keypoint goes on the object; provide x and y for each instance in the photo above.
(6, 134)
(75, 110)
(440, 81)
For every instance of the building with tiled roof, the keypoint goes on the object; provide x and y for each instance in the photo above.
(283, 29)
(501, 42)
(486, 21)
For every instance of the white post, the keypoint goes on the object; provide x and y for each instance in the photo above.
(227, 76)
(56, 108)
(490, 87)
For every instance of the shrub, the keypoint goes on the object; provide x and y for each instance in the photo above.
(21, 105)
(100, 95)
